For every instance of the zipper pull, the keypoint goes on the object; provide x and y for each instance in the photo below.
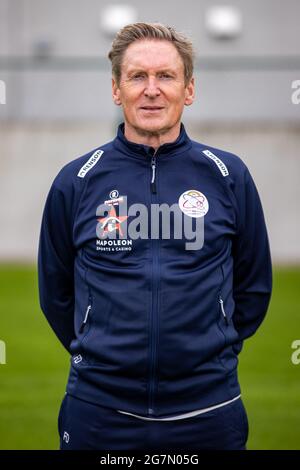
(153, 166)
(223, 311)
(85, 319)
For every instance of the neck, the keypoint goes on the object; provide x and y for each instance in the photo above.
(152, 138)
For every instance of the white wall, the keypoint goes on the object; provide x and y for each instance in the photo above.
(59, 108)
(32, 154)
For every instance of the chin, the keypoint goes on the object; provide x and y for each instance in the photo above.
(152, 126)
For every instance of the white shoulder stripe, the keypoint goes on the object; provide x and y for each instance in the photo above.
(221, 165)
(90, 163)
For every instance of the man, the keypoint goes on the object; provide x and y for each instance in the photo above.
(154, 267)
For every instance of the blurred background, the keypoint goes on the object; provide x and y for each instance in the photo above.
(55, 105)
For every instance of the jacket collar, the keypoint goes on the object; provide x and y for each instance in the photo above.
(181, 144)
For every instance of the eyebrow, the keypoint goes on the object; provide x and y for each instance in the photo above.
(135, 70)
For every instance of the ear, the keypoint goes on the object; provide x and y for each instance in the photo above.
(116, 92)
(190, 92)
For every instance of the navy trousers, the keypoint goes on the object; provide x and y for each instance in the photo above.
(83, 426)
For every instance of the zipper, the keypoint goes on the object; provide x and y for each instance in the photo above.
(154, 309)
(87, 312)
(222, 309)
(153, 166)
(221, 300)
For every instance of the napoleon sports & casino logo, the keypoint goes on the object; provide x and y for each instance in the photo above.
(118, 225)
(109, 230)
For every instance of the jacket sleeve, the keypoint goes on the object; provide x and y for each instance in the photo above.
(56, 264)
(252, 272)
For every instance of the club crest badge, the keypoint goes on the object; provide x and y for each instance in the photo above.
(193, 203)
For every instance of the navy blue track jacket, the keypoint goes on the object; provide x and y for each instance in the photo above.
(152, 327)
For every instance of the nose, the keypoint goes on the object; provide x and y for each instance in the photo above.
(152, 89)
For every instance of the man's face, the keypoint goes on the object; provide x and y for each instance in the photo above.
(152, 91)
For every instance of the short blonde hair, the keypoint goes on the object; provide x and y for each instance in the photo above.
(137, 31)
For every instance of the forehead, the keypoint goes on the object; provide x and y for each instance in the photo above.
(151, 54)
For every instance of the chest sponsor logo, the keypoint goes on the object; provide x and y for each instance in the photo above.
(181, 220)
(111, 229)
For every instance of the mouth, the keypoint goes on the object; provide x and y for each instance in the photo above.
(152, 108)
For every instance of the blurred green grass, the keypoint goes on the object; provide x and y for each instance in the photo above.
(32, 382)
